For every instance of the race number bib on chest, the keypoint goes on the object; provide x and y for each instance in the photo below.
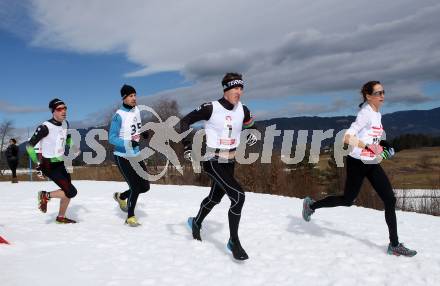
(224, 127)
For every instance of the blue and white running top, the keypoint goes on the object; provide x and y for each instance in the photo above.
(125, 124)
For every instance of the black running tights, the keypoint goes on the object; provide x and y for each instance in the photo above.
(356, 172)
(223, 181)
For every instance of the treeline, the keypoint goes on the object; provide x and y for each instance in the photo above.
(411, 141)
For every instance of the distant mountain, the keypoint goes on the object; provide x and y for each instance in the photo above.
(412, 122)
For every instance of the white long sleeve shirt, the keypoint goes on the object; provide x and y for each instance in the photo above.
(368, 128)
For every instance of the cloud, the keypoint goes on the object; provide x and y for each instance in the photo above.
(9, 108)
(14, 18)
(410, 98)
(301, 108)
(214, 65)
(284, 48)
(407, 95)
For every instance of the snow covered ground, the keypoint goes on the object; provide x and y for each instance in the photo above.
(340, 246)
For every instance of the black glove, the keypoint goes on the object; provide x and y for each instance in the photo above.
(39, 172)
(385, 144)
(134, 144)
(387, 153)
(388, 150)
(251, 139)
(145, 135)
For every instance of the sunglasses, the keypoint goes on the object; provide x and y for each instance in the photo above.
(61, 108)
(378, 93)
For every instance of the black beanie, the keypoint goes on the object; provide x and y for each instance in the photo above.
(54, 103)
(127, 90)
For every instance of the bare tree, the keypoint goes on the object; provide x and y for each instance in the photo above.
(164, 108)
(108, 114)
(5, 129)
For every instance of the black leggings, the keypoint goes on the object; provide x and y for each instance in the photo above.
(136, 183)
(356, 172)
(13, 166)
(223, 181)
(56, 171)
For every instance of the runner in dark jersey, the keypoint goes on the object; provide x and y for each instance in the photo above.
(224, 121)
(52, 136)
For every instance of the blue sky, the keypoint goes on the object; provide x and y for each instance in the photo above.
(86, 82)
(298, 58)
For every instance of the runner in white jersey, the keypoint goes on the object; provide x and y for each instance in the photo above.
(124, 136)
(52, 137)
(224, 121)
(365, 136)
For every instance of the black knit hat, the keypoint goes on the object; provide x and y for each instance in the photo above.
(127, 90)
(54, 103)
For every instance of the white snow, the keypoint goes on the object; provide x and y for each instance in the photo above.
(340, 246)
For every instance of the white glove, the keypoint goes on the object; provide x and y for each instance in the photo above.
(76, 151)
(187, 155)
(40, 172)
(251, 139)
